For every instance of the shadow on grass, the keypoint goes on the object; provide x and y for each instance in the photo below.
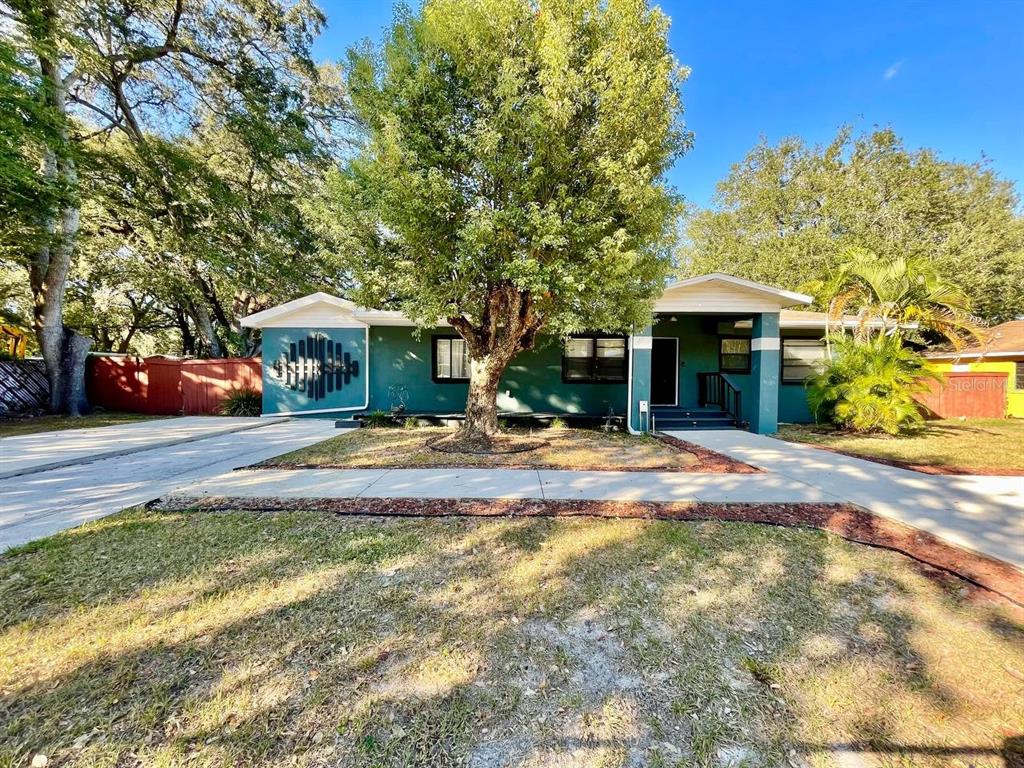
(256, 639)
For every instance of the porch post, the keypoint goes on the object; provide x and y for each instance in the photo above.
(764, 370)
(639, 387)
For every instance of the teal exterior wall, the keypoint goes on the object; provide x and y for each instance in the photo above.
(640, 376)
(278, 397)
(398, 356)
(532, 384)
(765, 372)
(698, 351)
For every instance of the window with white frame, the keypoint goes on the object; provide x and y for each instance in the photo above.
(451, 359)
(1019, 377)
(801, 358)
(595, 359)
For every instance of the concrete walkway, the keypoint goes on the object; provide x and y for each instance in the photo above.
(45, 501)
(22, 454)
(982, 513)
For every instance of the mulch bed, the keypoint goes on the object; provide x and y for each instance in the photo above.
(937, 558)
(709, 461)
(926, 469)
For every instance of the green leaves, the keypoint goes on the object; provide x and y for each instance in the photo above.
(792, 209)
(515, 142)
(869, 386)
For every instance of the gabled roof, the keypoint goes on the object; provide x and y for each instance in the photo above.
(1001, 341)
(714, 293)
(792, 297)
(341, 308)
(718, 293)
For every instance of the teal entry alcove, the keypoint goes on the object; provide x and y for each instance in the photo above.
(314, 370)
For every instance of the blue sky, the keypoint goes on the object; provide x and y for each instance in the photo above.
(946, 75)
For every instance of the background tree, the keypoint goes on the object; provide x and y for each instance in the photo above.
(512, 177)
(145, 69)
(793, 209)
(237, 240)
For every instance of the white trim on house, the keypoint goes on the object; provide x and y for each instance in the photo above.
(941, 356)
(724, 294)
(714, 293)
(319, 310)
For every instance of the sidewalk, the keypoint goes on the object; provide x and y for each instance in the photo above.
(23, 454)
(985, 514)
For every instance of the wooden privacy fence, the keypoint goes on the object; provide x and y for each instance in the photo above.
(968, 394)
(168, 386)
(23, 385)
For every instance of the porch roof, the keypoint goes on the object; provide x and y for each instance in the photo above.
(714, 293)
(718, 293)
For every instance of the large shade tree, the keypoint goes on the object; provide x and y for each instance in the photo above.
(513, 174)
(147, 70)
(793, 209)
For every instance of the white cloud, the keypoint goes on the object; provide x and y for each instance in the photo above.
(893, 70)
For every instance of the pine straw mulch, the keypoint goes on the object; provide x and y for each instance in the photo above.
(938, 558)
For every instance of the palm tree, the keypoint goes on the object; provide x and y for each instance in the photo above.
(896, 293)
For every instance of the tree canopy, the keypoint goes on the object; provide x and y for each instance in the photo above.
(513, 172)
(198, 118)
(792, 209)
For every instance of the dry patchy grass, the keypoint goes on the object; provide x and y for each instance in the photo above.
(980, 444)
(297, 638)
(9, 427)
(566, 448)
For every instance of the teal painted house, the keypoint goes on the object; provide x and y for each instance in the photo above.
(719, 352)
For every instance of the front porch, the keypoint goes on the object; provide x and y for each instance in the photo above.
(710, 357)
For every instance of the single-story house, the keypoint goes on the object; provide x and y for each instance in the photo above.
(719, 351)
(1002, 351)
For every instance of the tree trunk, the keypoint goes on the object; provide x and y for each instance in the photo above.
(507, 326)
(63, 349)
(481, 422)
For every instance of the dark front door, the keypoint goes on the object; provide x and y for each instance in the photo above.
(664, 371)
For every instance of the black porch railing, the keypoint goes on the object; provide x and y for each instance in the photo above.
(715, 389)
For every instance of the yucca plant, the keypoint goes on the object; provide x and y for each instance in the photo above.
(869, 386)
(244, 401)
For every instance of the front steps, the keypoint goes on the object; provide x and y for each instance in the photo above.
(672, 417)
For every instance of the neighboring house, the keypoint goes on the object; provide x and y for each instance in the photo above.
(1002, 353)
(719, 351)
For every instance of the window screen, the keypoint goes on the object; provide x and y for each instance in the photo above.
(451, 359)
(734, 355)
(594, 359)
(801, 358)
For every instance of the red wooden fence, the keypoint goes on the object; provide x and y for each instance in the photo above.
(168, 386)
(969, 394)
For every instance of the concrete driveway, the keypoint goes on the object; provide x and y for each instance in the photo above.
(46, 450)
(69, 478)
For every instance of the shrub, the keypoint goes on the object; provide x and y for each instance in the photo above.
(557, 423)
(377, 419)
(244, 401)
(411, 422)
(869, 386)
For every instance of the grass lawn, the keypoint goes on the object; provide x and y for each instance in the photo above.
(302, 639)
(974, 444)
(566, 449)
(28, 426)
